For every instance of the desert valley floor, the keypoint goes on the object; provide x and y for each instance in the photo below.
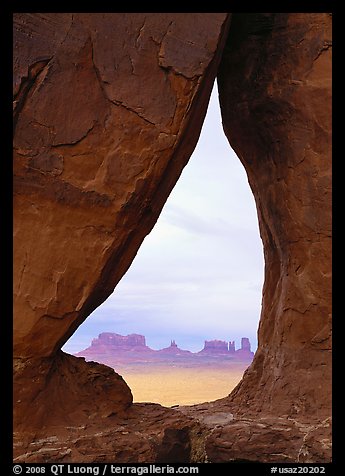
(174, 385)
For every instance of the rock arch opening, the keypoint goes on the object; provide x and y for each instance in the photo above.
(197, 277)
(86, 195)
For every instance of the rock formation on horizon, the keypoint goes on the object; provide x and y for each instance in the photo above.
(220, 347)
(174, 349)
(111, 344)
(215, 346)
(107, 110)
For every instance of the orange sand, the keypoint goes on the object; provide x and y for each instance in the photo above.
(181, 386)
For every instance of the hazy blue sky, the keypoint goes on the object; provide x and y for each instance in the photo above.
(199, 273)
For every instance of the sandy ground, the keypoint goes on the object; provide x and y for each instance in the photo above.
(169, 385)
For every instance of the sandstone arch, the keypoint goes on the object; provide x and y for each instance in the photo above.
(108, 108)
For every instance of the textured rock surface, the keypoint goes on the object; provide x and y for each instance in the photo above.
(107, 110)
(144, 433)
(56, 391)
(228, 436)
(275, 95)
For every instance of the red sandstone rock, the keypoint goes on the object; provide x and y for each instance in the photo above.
(234, 441)
(230, 437)
(133, 348)
(174, 349)
(215, 347)
(107, 110)
(145, 433)
(56, 391)
(275, 94)
(225, 349)
(116, 342)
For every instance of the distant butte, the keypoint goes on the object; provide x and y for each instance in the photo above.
(133, 348)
